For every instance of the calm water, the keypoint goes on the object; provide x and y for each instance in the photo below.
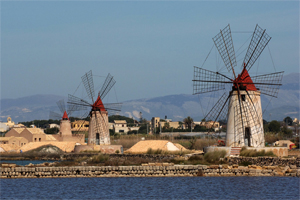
(26, 162)
(152, 188)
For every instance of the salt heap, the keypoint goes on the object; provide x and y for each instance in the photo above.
(165, 145)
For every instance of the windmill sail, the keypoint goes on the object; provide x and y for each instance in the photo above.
(54, 115)
(207, 81)
(224, 44)
(113, 108)
(219, 110)
(88, 83)
(108, 84)
(258, 42)
(268, 83)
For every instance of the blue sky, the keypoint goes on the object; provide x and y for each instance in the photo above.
(149, 47)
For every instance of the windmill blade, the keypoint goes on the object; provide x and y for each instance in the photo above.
(224, 44)
(70, 109)
(258, 42)
(108, 84)
(88, 83)
(113, 108)
(268, 83)
(54, 115)
(61, 105)
(207, 81)
(76, 104)
(219, 110)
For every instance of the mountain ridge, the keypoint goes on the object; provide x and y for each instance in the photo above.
(176, 107)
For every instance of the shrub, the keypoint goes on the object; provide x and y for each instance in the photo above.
(245, 163)
(253, 153)
(150, 151)
(214, 156)
(157, 151)
(100, 158)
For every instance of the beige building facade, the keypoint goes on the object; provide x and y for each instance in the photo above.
(20, 141)
(80, 125)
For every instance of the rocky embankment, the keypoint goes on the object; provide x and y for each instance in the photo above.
(263, 161)
(147, 170)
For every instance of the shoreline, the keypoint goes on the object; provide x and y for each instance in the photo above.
(166, 170)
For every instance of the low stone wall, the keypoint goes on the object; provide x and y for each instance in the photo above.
(149, 157)
(264, 161)
(147, 171)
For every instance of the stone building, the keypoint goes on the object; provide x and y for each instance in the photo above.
(208, 124)
(31, 134)
(80, 125)
(20, 141)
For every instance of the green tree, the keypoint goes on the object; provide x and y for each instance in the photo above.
(180, 125)
(287, 132)
(53, 130)
(288, 121)
(188, 122)
(199, 128)
(274, 126)
(166, 126)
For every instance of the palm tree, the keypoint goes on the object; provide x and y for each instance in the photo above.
(188, 121)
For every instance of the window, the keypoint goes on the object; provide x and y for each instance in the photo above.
(39, 139)
(122, 125)
(243, 97)
(35, 139)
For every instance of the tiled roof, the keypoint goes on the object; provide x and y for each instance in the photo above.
(120, 121)
(50, 137)
(19, 130)
(35, 130)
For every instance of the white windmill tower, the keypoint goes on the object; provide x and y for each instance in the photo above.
(98, 133)
(65, 124)
(242, 106)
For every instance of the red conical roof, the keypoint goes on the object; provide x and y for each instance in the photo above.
(65, 116)
(98, 104)
(245, 78)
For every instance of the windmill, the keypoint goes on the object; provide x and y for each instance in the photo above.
(65, 125)
(98, 132)
(242, 106)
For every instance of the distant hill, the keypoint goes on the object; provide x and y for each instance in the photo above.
(175, 107)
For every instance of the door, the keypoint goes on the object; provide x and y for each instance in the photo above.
(247, 137)
(97, 139)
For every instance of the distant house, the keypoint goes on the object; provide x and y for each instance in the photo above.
(80, 125)
(31, 134)
(20, 141)
(120, 126)
(5, 126)
(53, 126)
(156, 124)
(209, 124)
